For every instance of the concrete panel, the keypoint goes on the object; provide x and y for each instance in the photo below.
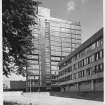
(74, 88)
(99, 86)
(85, 86)
(17, 84)
(62, 89)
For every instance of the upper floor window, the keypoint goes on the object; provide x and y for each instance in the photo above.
(88, 60)
(75, 66)
(98, 43)
(100, 54)
(71, 77)
(96, 56)
(101, 42)
(70, 60)
(81, 74)
(88, 71)
(98, 68)
(70, 68)
(74, 75)
(92, 58)
(93, 46)
(85, 61)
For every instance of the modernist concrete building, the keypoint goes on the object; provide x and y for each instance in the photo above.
(82, 70)
(53, 39)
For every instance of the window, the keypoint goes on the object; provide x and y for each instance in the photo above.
(60, 66)
(88, 49)
(65, 71)
(88, 60)
(88, 71)
(69, 60)
(74, 75)
(53, 72)
(92, 58)
(80, 63)
(71, 77)
(100, 67)
(95, 69)
(101, 42)
(70, 69)
(81, 74)
(75, 66)
(93, 46)
(96, 56)
(61, 73)
(98, 43)
(101, 54)
(53, 77)
(85, 62)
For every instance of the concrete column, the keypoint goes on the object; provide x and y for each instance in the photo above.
(92, 85)
(67, 88)
(30, 85)
(78, 87)
(62, 89)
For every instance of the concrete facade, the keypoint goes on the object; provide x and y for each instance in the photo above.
(82, 70)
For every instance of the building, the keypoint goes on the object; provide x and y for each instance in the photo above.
(14, 85)
(82, 70)
(6, 84)
(18, 85)
(53, 39)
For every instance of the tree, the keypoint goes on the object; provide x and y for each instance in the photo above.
(17, 16)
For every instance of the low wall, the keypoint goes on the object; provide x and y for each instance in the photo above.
(13, 93)
(28, 94)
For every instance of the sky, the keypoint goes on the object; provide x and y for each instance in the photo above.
(88, 12)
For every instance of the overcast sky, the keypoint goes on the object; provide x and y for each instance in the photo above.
(88, 12)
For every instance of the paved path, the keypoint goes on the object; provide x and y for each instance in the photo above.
(45, 99)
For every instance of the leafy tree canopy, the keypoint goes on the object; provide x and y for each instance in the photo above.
(17, 16)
